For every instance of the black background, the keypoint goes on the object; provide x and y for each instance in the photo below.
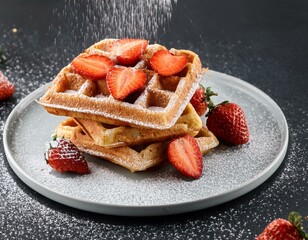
(263, 42)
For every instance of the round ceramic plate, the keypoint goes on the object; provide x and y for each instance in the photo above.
(228, 173)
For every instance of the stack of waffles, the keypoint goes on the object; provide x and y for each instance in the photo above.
(124, 101)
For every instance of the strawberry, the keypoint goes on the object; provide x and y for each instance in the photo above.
(7, 88)
(279, 229)
(201, 99)
(128, 51)
(122, 81)
(228, 123)
(185, 155)
(65, 157)
(92, 66)
(166, 64)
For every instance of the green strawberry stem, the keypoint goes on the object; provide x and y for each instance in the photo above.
(208, 94)
(296, 219)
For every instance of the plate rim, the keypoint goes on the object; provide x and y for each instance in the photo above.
(149, 210)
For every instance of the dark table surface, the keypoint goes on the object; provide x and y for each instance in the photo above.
(263, 42)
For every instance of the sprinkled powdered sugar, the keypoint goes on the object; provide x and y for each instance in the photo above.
(30, 68)
(108, 19)
(225, 168)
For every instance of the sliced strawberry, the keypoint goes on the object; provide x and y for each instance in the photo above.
(185, 155)
(92, 66)
(65, 157)
(123, 81)
(129, 51)
(7, 88)
(166, 64)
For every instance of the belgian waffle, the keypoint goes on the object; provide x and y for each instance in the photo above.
(114, 136)
(159, 104)
(134, 159)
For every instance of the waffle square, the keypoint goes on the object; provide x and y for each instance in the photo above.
(107, 135)
(136, 159)
(158, 105)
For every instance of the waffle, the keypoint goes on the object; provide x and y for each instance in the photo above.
(114, 136)
(158, 105)
(134, 159)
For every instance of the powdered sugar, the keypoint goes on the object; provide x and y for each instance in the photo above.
(225, 168)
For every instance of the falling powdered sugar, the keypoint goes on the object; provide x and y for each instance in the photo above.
(111, 19)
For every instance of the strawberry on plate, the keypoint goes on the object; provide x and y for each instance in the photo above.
(92, 66)
(128, 51)
(166, 64)
(66, 157)
(7, 88)
(228, 123)
(201, 99)
(122, 81)
(185, 155)
(282, 229)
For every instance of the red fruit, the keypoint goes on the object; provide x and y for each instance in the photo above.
(198, 101)
(65, 157)
(185, 155)
(129, 51)
(201, 99)
(166, 64)
(122, 81)
(228, 123)
(92, 66)
(279, 229)
(6, 87)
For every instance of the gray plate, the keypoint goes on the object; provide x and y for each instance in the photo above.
(228, 173)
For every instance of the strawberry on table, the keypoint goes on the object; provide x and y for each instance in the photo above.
(201, 99)
(92, 66)
(7, 88)
(128, 51)
(281, 229)
(166, 64)
(228, 123)
(122, 81)
(185, 155)
(66, 157)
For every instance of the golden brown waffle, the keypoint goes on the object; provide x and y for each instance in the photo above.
(134, 159)
(114, 136)
(159, 104)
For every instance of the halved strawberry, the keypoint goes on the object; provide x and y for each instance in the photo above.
(92, 66)
(7, 88)
(122, 81)
(65, 157)
(166, 64)
(185, 155)
(129, 51)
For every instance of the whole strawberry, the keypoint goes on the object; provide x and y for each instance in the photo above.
(6, 87)
(279, 229)
(65, 157)
(201, 99)
(228, 123)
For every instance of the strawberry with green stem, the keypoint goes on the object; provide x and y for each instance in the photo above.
(291, 229)
(202, 99)
(228, 123)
